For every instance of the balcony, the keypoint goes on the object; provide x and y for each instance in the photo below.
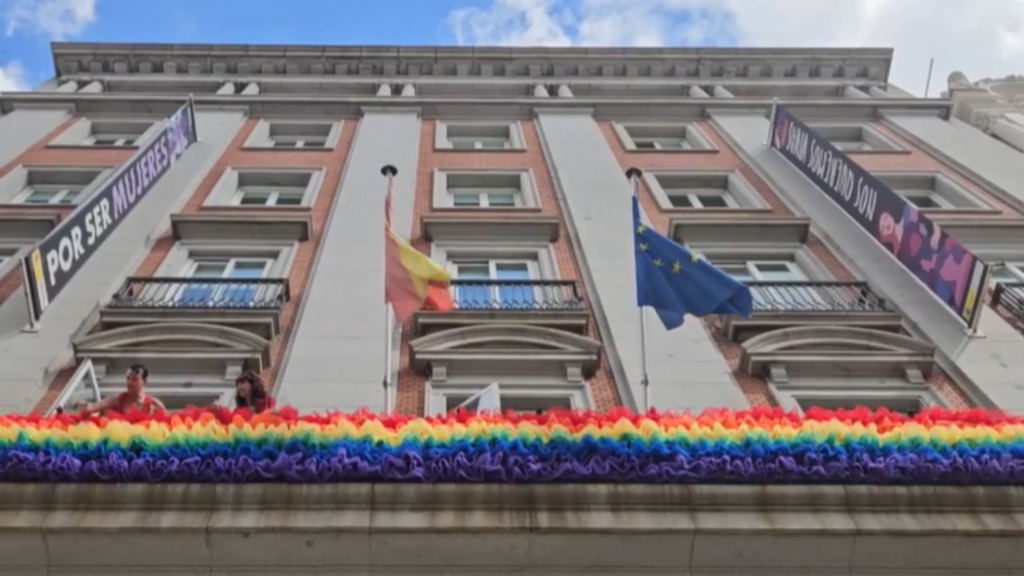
(788, 304)
(253, 305)
(549, 303)
(1010, 297)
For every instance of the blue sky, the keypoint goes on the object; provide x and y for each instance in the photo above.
(989, 33)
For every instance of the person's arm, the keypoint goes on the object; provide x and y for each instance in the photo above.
(156, 405)
(87, 409)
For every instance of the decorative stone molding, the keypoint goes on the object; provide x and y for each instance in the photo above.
(835, 351)
(175, 341)
(532, 348)
(389, 62)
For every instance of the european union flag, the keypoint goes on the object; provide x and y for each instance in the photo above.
(676, 282)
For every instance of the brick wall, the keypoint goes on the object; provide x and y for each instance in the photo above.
(411, 387)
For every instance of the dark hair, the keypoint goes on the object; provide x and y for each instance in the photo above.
(139, 370)
(258, 390)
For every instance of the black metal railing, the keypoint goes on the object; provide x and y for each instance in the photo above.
(1010, 297)
(528, 295)
(201, 294)
(852, 297)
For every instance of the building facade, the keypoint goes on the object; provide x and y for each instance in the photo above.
(511, 172)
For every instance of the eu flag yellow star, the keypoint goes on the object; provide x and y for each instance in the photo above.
(694, 257)
(657, 261)
(640, 229)
(677, 267)
(643, 246)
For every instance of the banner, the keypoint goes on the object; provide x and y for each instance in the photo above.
(938, 260)
(61, 254)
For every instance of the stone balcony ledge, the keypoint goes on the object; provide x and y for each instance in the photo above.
(504, 529)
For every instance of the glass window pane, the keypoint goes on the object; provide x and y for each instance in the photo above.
(290, 199)
(473, 271)
(209, 270)
(713, 201)
(680, 201)
(644, 145)
(923, 201)
(672, 144)
(492, 143)
(776, 271)
(462, 143)
(465, 199)
(501, 200)
(248, 269)
(41, 196)
(512, 271)
(254, 198)
(737, 271)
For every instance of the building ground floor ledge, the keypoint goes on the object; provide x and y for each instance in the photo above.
(549, 529)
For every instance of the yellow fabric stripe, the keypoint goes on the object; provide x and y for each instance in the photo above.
(422, 270)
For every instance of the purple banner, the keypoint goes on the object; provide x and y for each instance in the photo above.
(939, 261)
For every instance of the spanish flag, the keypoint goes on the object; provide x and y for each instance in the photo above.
(412, 280)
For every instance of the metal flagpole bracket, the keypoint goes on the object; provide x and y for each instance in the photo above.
(388, 170)
(634, 174)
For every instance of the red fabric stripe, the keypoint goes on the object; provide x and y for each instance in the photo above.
(439, 297)
(398, 287)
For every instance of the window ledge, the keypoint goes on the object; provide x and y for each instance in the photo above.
(671, 151)
(940, 213)
(322, 149)
(479, 150)
(876, 152)
(133, 147)
(32, 223)
(718, 212)
(732, 230)
(473, 227)
(461, 210)
(232, 225)
(1005, 232)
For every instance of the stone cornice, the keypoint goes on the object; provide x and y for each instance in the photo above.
(866, 63)
(466, 107)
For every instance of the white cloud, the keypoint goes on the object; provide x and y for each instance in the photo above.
(57, 19)
(978, 37)
(12, 78)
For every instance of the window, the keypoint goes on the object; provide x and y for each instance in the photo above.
(484, 190)
(264, 196)
(855, 137)
(907, 406)
(223, 282)
(931, 191)
(1008, 272)
(295, 134)
(501, 397)
(702, 190)
(283, 188)
(493, 283)
(776, 296)
(763, 271)
(43, 194)
(662, 137)
(107, 132)
(478, 136)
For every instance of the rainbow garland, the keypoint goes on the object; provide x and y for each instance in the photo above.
(758, 446)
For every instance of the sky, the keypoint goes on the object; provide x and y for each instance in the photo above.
(981, 38)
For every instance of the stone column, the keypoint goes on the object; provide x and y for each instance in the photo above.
(721, 92)
(540, 91)
(251, 89)
(67, 87)
(227, 89)
(697, 92)
(564, 91)
(409, 90)
(854, 92)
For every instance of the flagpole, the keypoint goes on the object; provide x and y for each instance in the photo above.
(389, 172)
(634, 174)
(771, 120)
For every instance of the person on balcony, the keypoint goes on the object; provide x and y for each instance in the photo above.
(251, 393)
(133, 398)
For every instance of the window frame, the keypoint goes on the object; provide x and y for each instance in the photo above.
(484, 197)
(120, 140)
(273, 193)
(525, 196)
(872, 140)
(692, 134)
(757, 276)
(262, 136)
(514, 142)
(61, 192)
(738, 192)
(949, 193)
(790, 393)
(693, 197)
(437, 393)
